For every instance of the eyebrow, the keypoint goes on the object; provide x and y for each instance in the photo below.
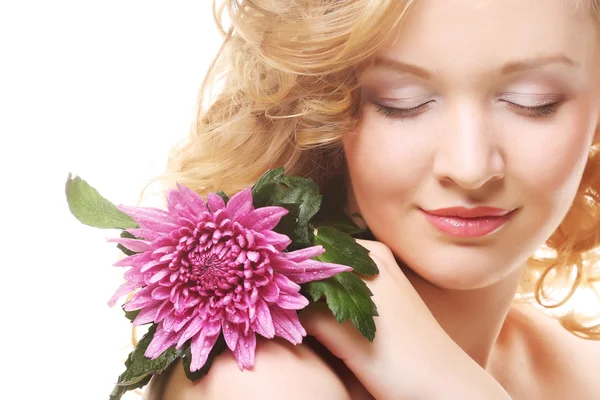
(510, 67)
(532, 63)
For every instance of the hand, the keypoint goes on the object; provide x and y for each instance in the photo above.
(407, 337)
(411, 354)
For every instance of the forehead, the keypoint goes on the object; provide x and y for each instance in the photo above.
(472, 36)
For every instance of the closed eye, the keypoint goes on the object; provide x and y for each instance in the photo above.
(538, 111)
(402, 113)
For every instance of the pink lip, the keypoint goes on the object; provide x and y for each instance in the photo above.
(468, 222)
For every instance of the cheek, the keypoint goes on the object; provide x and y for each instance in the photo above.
(548, 170)
(386, 164)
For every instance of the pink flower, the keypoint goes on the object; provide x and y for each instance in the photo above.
(203, 270)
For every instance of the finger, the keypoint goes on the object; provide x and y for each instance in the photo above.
(390, 272)
(377, 250)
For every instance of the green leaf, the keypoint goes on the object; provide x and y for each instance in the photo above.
(300, 196)
(262, 190)
(348, 297)
(304, 195)
(140, 368)
(218, 348)
(130, 315)
(119, 391)
(332, 212)
(90, 208)
(300, 191)
(288, 225)
(341, 248)
(342, 223)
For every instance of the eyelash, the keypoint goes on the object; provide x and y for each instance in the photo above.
(402, 113)
(539, 111)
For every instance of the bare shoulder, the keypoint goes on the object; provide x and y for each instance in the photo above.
(557, 340)
(281, 370)
(542, 351)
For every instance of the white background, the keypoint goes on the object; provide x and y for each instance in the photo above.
(101, 89)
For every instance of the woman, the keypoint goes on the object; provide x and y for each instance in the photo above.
(465, 133)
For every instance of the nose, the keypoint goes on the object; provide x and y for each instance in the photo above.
(468, 153)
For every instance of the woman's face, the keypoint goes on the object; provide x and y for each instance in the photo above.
(478, 103)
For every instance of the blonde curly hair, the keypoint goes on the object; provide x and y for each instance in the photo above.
(282, 91)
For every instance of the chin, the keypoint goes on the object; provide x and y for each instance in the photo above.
(467, 271)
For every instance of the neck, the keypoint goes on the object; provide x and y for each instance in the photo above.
(472, 318)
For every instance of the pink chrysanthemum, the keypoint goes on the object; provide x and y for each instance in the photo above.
(204, 270)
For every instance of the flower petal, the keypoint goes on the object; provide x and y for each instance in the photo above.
(160, 293)
(308, 270)
(193, 200)
(269, 292)
(305, 254)
(263, 324)
(231, 333)
(215, 202)
(165, 310)
(133, 260)
(285, 284)
(287, 324)
(192, 329)
(136, 245)
(212, 328)
(245, 350)
(177, 205)
(151, 264)
(201, 347)
(169, 248)
(151, 218)
(161, 341)
(174, 321)
(240, 204)
(147, 314)
(277, 240)
(140, 300)
(158, 275)
(124, 289)
(133, 274)
(293, 301)
(264, 218)
(143, 233)
(196, 324)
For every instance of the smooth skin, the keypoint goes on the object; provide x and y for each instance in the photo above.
(477, 103)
